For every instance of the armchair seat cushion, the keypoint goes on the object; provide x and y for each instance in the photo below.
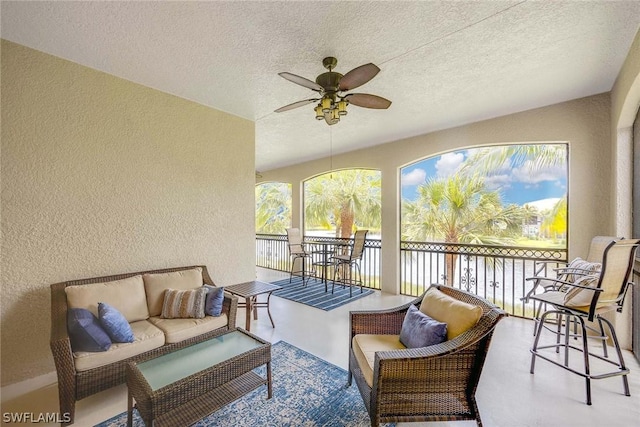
(146, 337)
(365, 347)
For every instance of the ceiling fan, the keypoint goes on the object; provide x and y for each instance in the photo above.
(330, 85)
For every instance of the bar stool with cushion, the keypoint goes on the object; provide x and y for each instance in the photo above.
(588, 300)
(544, 281)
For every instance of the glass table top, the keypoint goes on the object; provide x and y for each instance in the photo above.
(174, 366)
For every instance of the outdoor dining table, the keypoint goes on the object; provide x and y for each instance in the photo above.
(324, 248)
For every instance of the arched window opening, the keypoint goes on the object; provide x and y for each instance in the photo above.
(475, 218)
(273, 207)
(338, 203)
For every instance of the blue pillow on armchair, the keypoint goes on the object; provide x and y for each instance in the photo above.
(213, 302)
(419, 330)
(114, 323)
(85, 331)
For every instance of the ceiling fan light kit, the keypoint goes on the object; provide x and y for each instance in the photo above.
(331, 104)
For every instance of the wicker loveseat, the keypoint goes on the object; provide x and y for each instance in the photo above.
(434, 383)
(82, 374)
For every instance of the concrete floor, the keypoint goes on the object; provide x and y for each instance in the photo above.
(508, 395)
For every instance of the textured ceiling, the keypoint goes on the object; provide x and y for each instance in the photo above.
(442, 64)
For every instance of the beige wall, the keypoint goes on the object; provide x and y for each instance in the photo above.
(100, 176)
(625, 99)
(583, 123)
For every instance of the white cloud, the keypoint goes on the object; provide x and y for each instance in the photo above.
(494, 182)
(529, 174)
(448, 164)
(415, 177)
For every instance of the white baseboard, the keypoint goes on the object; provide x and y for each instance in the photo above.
(13, 391)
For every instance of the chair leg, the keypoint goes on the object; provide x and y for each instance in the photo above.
(585, 353)
(359, 276)
(603, 337)
(534, 349)
(537, 318)
(621, 364)
(567, 335)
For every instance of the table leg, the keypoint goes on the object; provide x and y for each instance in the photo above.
(129, 409)
(269, 310)
(254, 301)
(248, 314)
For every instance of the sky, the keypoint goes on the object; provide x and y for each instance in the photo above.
(518, 184)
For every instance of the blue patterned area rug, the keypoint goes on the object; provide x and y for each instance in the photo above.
(314, 294)
(307, 391)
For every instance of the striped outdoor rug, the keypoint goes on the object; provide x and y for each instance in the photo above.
(314, 295)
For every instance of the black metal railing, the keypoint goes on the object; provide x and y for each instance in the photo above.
(272, 252)
(497, 273)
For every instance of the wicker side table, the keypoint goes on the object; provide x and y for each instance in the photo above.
(182, 387)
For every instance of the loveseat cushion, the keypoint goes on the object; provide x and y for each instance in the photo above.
(365, 347)
(155, 285)
(176, 330)
(458, 315)
(126, 295)
(147, 337)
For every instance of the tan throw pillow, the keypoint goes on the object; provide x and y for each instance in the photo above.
(155, 285)
(184, 304)
(579, 297)
(458, 315)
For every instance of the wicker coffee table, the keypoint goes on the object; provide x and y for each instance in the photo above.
(182, 387)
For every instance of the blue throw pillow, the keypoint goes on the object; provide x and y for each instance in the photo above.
(114, 323)
(420, 330)
(213, 303)
(85, 331)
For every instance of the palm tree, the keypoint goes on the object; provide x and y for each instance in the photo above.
(343, 199)
(273, 207)
(490, 159)
(554, 223)
(459, 209)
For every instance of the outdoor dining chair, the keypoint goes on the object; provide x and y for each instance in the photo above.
(588, 299)
(298, 253)
(344, 264)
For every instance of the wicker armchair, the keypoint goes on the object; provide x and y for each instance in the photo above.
(74, 385)
(436, 383)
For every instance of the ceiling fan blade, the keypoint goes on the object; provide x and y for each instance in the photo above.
(296, 105)
(358, 76)
(301, 81)
(368, 101)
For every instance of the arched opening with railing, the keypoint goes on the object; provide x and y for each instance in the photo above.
(478, 219)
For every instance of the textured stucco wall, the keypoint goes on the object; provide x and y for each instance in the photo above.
(100, 176)
(583, 123)
(625, 100)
